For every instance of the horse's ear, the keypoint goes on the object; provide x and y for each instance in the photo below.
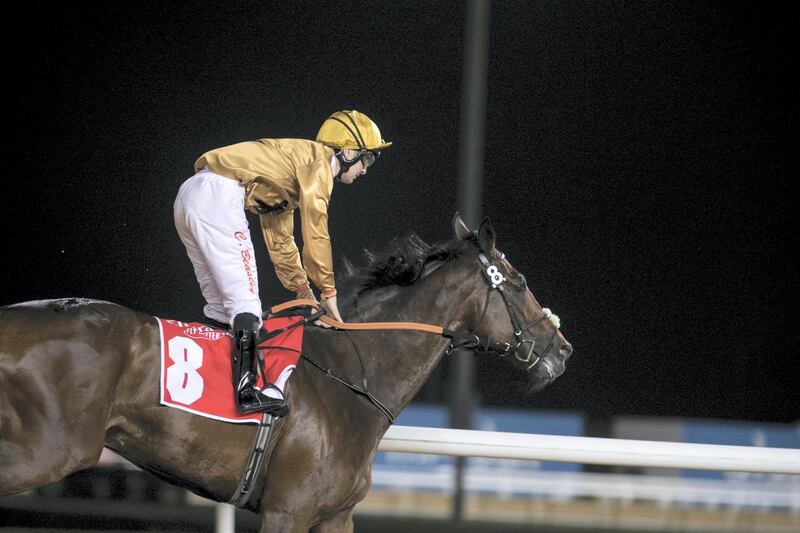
(460, 229)
(486, 236)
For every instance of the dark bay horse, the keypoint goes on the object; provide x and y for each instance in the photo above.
(78, 375)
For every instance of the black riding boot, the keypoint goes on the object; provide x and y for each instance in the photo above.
(248, 398)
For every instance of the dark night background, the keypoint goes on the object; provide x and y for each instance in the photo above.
(640, 168)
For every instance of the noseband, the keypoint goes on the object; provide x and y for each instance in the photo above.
(523, 349)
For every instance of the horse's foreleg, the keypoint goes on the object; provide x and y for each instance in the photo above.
(340, 523)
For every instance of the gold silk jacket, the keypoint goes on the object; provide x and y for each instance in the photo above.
(295, 171)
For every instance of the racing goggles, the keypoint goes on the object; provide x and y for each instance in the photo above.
(368, 157)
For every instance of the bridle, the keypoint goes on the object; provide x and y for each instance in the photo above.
(524, 350)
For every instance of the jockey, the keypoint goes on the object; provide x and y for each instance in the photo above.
(272, 178)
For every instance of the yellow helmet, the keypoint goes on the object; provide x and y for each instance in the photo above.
(353, 130)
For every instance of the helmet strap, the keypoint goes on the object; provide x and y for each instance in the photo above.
(344, 163)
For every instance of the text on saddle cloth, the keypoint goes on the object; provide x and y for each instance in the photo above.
(196, 366)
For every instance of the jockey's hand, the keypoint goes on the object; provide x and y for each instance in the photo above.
(331, 309)
(304, 292)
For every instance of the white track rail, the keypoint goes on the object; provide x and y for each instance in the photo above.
(585, 450)
(589, 450)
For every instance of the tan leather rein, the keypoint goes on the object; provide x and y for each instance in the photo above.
(358, 326)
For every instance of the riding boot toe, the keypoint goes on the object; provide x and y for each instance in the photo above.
(252, 400)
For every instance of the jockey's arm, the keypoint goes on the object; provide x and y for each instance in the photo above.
(317, 254)
(278, 230)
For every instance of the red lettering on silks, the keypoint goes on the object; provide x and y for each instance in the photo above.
(240, 235)
(251, 280)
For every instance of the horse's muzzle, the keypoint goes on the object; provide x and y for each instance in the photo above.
(565, 350)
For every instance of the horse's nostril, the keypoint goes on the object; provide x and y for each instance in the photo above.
(565, 351)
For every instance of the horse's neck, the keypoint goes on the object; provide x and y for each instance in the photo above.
(437, 298)
(405, 359)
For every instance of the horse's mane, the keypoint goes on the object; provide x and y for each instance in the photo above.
(400, 264)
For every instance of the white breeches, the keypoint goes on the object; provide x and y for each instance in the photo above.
(210, 219)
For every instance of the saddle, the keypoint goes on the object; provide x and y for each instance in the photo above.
(196, 370)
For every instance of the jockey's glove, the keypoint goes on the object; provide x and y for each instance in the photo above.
(304, 292)
(330, 307)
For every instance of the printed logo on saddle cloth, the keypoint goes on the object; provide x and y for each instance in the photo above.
(196, 370)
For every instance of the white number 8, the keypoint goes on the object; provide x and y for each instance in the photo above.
(495, 277)
(184, 384)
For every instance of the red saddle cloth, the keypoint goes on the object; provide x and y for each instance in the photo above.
(196, 373)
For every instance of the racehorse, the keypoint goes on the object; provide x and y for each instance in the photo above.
(77, 375)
